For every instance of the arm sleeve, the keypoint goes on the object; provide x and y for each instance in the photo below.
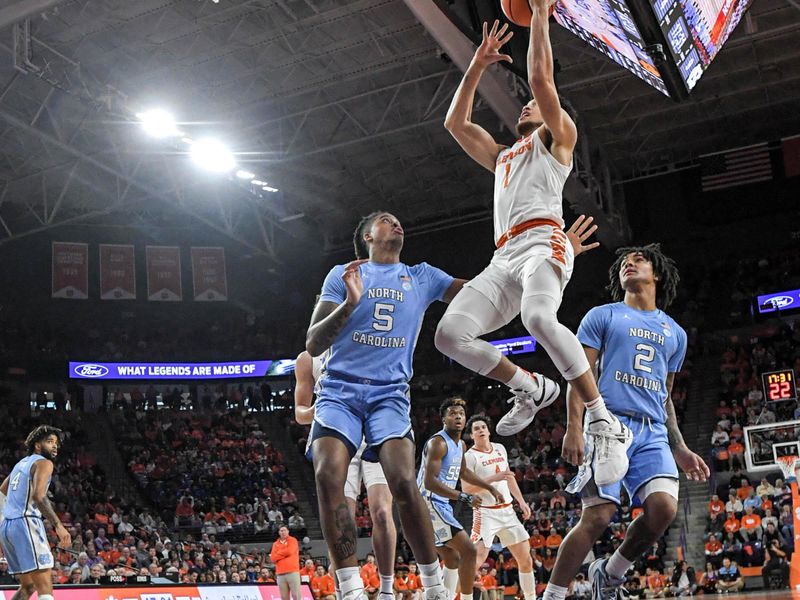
(676, 360)
(333, 288)
(592, 330)
(438, 281)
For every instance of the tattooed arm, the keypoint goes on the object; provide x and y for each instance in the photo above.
(329, 318)
(691, 464)
(42, 470)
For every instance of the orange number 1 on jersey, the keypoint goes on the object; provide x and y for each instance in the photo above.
(508, 172)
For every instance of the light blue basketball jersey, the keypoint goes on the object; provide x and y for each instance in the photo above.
(637, 350)
(377, 343)
(19, 502)
(451, 466)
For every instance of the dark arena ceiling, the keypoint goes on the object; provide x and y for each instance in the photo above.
(337, 103)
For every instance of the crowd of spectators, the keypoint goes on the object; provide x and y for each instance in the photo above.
(210, 472)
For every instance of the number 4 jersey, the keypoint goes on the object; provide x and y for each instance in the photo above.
(638, 348)
(377, 342)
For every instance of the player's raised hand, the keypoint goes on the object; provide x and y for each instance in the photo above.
(690, 463)
(352, 281)
(580, 231)
(488, 52)
(572, 448)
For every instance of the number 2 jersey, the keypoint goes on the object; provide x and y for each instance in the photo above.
(638, 348)
(377, 342)
(528, 184)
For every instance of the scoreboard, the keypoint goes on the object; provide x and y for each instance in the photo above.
(779, 385)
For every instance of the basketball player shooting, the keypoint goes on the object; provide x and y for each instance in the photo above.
(533, 260)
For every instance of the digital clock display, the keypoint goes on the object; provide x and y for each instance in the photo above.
(779, 385)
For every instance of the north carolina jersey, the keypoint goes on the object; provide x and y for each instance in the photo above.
(451, 466)
(638, 348)
(377, 342)
(486, 464)
(528, 184)
(19, 501)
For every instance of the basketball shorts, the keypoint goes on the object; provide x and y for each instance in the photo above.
(651, 467)
(445, 525)
(354, 412)
(25, 545)
(501, 522)
(359, 470)
(503, 281)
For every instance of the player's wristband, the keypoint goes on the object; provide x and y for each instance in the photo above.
(465, 498)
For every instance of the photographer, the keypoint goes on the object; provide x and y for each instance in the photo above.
(684, 582)
(775, 562)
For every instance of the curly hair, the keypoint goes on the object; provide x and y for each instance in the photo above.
(451, 401)
(39, 434)
(361, 248)
(664, 269)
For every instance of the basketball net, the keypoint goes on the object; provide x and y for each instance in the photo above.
(790, 465)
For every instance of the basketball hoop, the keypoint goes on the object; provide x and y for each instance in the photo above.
(789, 465)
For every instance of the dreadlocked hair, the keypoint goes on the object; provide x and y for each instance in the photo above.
(361, 248)
(41, 433)
(664, 268)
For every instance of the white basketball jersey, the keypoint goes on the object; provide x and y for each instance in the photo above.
(528, 184)
(486, 464)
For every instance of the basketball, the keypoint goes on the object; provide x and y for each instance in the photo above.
(519, 11)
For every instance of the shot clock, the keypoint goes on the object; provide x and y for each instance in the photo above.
(779, 385)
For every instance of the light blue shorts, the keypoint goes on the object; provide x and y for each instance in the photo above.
(354, 412)
(25, 545)
(445, 525)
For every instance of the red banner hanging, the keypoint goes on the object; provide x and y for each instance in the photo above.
(164, 273)
(208, 274)
(70, 270)
(117, 272)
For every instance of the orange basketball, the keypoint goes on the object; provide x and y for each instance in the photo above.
(519, 11)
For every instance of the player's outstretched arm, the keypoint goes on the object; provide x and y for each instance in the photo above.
(453, 290)
(304, 389)
(695, 467)
(42, 471)
(474, 139)
(543, 85)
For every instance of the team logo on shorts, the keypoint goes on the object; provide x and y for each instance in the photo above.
(45, 558)
(406, 282)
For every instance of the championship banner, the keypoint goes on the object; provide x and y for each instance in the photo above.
(209, 280)
(256, 591)
(164, 273)
(117, 272)
(70, 270)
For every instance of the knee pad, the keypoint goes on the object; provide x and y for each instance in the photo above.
(457, 337)
(564, 349)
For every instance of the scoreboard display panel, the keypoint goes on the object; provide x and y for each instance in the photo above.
(779, 385)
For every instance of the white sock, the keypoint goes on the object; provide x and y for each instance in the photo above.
(450, 579)
(528, 585)
(45, 597)
(554, 592)
(522, 380)
(336, 589)
(430, 574)
(387, 584)
(617, 566)
(466, 596)
(597, 410)
(349, 579)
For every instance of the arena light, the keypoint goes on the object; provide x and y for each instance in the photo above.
(241, 174)
(158, 123)
(212, 154)
(267, 188)
(258, 182)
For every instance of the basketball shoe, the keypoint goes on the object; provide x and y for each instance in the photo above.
(527, 404)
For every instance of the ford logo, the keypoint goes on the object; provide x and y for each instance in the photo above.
(89, 370)
(781, 301)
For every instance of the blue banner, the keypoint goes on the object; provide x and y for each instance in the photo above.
(788, 300)
(172, 371)
(518, 345)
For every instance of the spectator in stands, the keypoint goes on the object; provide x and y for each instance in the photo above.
(633, 587)
(7, 578)
(684, 582)
(734, 506)
(720, 436)
(732, 547)
(322, 585)
(285, 554)
(765, 488)
(655, 583)
(751, 529)
(708, 580)
(95, 573)
(579, 589)
(488, 583)
(307, 571)
(715, 506)
(753, 501)
(730, 578)
(775, 562)
(771, 534)
(713, 550)
(732, 524)
(716, 524)
(401, 586)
